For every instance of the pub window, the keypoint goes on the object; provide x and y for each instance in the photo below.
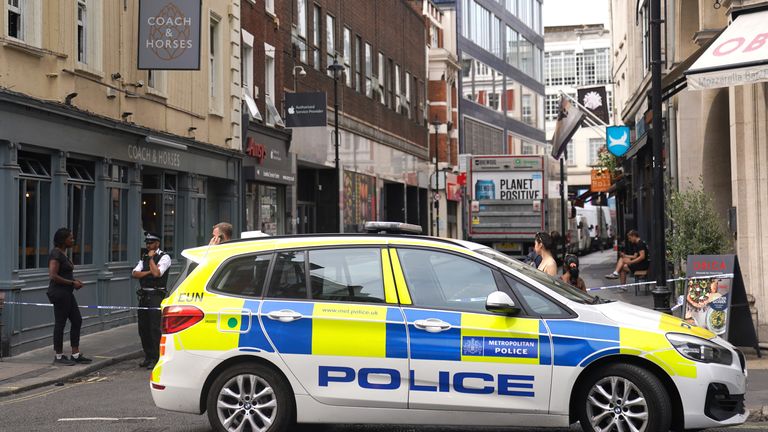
(34, 211)
(80, 191)
(158, 208)
(197, 212)
(117, 187)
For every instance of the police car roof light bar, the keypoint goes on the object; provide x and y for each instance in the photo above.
(392, 228)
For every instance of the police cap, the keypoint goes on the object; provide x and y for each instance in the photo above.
(151, 238)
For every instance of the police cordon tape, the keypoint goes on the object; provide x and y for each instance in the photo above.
(83, 307)
(715, 276)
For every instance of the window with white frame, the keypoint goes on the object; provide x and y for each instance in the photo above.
(246, 62)
(358, 64)
(156, 81)
(316, 36)
(330, 41)
(368, 70)
(407, 94)
(269, 5)
(645, 17)
(552, 107)
(569, 153)
(214, 65)
(269, 70)
(82, 29)
(88, 39)
(527, 109)
(16, 17)
(348, 55)
(381, 77)
(24, 20)
(398, 89)
(594, 148)
(301, 27)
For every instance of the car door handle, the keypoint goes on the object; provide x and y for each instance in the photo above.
(432, 325)
(284, 315)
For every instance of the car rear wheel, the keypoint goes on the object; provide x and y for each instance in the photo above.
(249, 398)
(622, 398)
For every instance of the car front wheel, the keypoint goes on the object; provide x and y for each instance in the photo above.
(622, 398)
(249, 398)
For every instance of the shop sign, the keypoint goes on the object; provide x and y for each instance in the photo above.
(601, 180)
(617, 139)
(162, 157)
(305, 110)
(169, 34)
(254, 150)
(453, 191)
(595, 100)
(268, 159)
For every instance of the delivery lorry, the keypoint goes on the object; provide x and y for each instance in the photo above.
(512, 198)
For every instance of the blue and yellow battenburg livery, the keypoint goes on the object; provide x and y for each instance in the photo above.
(379, 363)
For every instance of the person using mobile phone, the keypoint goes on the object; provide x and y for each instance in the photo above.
(222, 232)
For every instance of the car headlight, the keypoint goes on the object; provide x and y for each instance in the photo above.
(700, 350)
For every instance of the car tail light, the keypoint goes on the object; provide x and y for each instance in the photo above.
(178, 318)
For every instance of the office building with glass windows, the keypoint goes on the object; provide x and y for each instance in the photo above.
(500, 45)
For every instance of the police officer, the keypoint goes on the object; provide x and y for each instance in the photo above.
(152, 273)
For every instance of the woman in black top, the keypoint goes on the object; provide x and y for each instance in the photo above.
(61, 295)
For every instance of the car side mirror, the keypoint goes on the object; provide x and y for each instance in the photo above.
(500, 302)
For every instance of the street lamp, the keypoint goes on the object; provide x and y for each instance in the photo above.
(436, 212)
(661, 293)
(336, 69)
(297, 72)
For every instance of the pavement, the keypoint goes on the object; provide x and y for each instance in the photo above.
(35, 369)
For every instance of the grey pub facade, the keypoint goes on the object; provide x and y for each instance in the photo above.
(109, 182)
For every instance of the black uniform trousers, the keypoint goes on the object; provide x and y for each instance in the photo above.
(149, 323)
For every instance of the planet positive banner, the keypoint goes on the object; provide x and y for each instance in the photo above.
(508, 186)
(595, 100)
(169, 34)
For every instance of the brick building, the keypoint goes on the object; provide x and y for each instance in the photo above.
(382, 107)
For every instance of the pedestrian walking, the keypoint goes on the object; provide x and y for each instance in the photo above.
(571, 273)
(543, 246)
(152, 273)
(222, 232)
(61, 295)
(632, 259)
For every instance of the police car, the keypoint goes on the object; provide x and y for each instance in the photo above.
(389, 328)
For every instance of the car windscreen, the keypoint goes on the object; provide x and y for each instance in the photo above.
(189, 266)
(555, 284)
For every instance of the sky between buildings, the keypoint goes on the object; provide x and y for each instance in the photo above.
(573, 12)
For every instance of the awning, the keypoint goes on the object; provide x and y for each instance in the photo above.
(675, 81)
(738, 56)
